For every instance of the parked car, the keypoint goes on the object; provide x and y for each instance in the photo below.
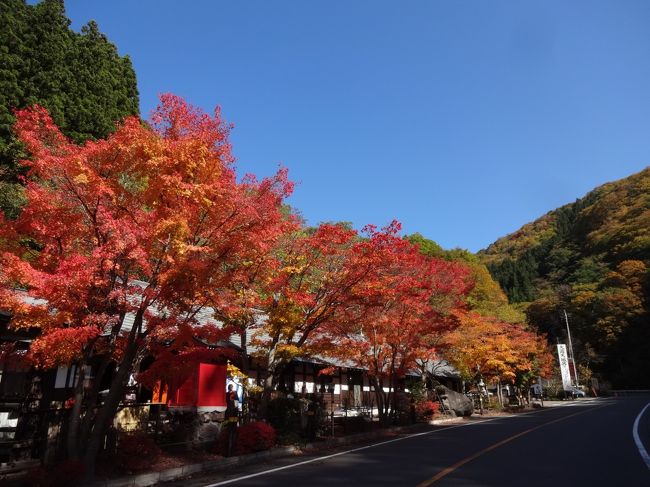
(575, 392)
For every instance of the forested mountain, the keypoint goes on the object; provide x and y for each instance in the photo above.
(592, 259)
(79, 77)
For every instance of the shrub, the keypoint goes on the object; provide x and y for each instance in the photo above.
(249, 438)
(252, 437)
(418, 389)
(426, 409)
(136, 451)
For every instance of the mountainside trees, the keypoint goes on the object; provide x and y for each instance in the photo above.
(143, 225)
(590, 258)
(79, 77)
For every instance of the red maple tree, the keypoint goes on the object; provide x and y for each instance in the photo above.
(313, 287)
(403, 309)
(126, 240)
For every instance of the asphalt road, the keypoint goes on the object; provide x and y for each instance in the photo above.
(585, 443)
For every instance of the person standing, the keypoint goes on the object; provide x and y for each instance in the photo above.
(232, 414)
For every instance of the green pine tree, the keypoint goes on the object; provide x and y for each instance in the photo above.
(79, 77)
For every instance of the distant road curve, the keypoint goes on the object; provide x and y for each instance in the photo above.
(637, 437)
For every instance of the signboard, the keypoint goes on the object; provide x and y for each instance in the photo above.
(564, 367)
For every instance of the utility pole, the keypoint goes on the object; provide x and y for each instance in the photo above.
(573, 358)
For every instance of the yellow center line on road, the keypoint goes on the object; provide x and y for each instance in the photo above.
(457, 465)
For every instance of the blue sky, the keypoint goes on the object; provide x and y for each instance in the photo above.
(462, 119)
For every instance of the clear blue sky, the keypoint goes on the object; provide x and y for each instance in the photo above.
(462, 119)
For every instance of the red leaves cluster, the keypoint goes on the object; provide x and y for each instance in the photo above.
(426, 409)
(136, 451)
(253, 437)
(178, 357)
(403, 307)
(147, 223)
(61, 346)
(372, 300)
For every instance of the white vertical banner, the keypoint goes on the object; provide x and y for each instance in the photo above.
(564, 366)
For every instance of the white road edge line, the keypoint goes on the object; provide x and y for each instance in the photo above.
(639, 444)
(326, 457)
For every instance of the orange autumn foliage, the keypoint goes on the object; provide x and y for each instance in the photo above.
(500, 350)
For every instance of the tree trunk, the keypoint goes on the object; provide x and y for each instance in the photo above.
(75, 414)
(245, 361)
(107, 411)
(262, 411)
(392, 388)
(275, 367)
(391, 399)
(382, 401)
(91, 402)
(270, 384)
(93, 395)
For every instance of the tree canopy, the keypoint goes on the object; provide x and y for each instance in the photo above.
(80, 78)
(126, 241)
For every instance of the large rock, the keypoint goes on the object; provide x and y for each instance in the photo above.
(454, 401)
